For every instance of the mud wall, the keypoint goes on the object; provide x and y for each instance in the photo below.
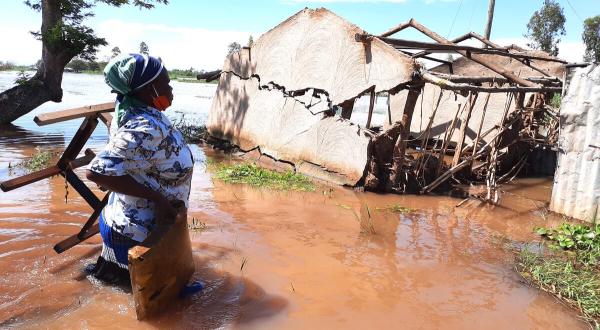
(576, 190)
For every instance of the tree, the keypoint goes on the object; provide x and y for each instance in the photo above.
(233, 47)
(63, 36)
(250, 41)
(545, 27)
(591, 39)
(144, 48)
(116, 51)
(77, 65)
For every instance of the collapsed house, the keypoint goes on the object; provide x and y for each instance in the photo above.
(291, 95)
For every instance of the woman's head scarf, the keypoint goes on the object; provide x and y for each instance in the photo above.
(127, 73)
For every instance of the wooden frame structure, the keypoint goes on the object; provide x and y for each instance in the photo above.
(508, 83)
(68, 161)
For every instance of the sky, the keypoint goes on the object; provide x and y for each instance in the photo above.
(195, 33)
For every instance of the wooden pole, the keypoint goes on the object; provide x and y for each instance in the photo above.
(509, 75)
(448, 138)
(389, 109)
(371, 106)
(488, 25)
(478, 137)
(464, 124)
(447, 84)
(400, 145)
(347, 107)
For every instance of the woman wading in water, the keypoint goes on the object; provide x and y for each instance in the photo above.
(146, 164)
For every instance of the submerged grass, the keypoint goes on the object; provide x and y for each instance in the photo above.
(569, 269)
(192, 132)
(396, 208)
(261, 177)
(39, 160)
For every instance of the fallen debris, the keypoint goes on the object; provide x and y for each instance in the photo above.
(292, 94)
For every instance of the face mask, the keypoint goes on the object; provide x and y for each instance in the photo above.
(160, 102)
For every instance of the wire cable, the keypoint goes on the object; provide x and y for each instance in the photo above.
(573, 8)
(454, 20)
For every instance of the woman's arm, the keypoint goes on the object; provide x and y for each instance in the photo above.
(125, 184)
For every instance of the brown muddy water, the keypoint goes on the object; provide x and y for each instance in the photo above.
(283, 260)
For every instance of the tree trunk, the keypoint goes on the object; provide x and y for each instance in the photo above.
(45, 85)
(21, 99)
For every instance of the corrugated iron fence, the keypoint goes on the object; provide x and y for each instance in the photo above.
(576, 191)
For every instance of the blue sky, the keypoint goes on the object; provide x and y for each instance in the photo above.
(195, 33)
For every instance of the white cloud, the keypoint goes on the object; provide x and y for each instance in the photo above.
(570, 51)
(19, 46)
(179, 47)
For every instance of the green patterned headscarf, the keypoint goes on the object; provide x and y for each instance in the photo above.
(127, 73)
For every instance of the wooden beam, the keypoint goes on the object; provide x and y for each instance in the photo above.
(464, 124)
(209, 76)
(400, 145)
(446, 84)
(106, 119)
(29, 178)
(80, 138)
(493, 79)
(446, 175)
(73, 240)
(82, 189)
(45, 173)
(476, 58)
(396, 29)
(372, 97)
(64, 115)
(483, 113)
(347, 107)
(461, 39)
(444, 48)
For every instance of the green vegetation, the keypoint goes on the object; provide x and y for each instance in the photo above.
(546, 26)
(22, 78)
(189, 76)
(8, 66)
(257, 176)
(396, 208)
(569, 269)
(556, 100)
(582, 241)
(192, 133)
(38, 161)
(591, 39)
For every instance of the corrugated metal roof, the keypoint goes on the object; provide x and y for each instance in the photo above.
(576, 190)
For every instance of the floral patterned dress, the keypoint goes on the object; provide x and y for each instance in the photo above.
(148, 148)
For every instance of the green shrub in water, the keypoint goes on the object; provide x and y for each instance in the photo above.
(257, 176)
(38, 161)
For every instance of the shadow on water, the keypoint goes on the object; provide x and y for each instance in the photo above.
(226, 299)
(13, 136)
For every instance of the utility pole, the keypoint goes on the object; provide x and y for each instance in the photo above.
(488, 26)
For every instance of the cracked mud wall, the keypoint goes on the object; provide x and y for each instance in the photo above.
(278, 96)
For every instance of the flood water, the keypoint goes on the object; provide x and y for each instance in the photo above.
(275, 260)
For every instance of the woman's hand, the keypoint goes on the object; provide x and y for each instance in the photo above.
(125, 184)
